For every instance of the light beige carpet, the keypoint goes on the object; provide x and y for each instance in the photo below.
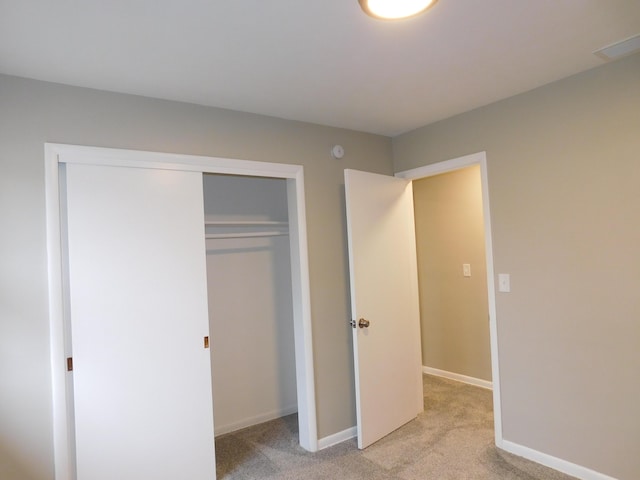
(451, 440)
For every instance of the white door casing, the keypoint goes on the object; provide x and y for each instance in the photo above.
(138, 311)
(384, 291)
(480, 159)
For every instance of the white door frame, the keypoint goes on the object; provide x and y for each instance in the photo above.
(56, 154)
(480, 159)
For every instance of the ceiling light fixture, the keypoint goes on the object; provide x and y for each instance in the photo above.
(395, 9)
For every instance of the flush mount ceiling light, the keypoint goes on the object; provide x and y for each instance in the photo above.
(395, 9)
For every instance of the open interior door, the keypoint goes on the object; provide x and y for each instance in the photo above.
(384, 303)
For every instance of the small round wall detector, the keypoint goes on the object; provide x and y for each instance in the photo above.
(337, 151)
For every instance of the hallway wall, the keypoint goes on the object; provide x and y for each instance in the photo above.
(454, 310)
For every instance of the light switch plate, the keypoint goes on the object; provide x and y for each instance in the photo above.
(466, 269)
(504, 282)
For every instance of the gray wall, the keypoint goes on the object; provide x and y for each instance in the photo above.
(564, 176)
(564, 172)
(454, 309)
(32, 113)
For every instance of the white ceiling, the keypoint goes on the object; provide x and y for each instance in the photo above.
(323, 62)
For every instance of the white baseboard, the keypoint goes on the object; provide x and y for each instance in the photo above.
(458, 377)
(563, 466)
(255, 420)
(336, 438)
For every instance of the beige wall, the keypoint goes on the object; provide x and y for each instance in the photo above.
(32, 113)
(454, 309)
(564, 176)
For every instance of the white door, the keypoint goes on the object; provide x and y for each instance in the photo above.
(384, 293)
(138, 310)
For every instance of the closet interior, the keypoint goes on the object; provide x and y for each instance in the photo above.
(250, 300)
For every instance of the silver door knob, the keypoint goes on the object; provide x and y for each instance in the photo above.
(363, 323)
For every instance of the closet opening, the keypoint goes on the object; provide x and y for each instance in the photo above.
(249, 288)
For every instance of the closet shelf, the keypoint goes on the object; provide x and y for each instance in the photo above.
(212, 236)
(242, 223)
(245, 228)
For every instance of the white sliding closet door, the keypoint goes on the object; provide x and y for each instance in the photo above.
(138, 310)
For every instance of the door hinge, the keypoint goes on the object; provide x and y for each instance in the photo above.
(206, 342)
(69, 364)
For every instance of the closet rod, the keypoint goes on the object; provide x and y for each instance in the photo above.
(211, 236)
